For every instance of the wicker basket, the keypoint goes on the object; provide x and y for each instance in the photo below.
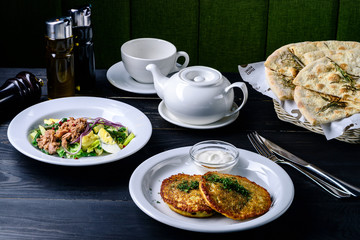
(349, 136)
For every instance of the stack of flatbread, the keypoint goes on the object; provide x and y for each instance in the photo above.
(321, 77)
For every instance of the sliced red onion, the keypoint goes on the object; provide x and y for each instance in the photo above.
(104, 121)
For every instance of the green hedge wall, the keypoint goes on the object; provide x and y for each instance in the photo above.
(217, 33)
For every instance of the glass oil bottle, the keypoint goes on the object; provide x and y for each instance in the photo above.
(85, 78)
(60, 58)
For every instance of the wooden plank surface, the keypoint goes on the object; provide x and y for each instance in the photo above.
(43, 201)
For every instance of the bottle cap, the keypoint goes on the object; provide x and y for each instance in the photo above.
(59, 28)
(81, 16)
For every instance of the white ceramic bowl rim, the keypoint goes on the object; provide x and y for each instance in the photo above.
(214, 144)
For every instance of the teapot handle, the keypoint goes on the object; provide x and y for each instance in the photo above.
(244, 90)
(177, 66)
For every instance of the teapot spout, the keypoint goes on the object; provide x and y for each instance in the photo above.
(159, 79)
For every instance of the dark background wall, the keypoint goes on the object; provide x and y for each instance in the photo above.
(216, 33)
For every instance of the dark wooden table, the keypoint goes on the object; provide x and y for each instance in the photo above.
(43, 201)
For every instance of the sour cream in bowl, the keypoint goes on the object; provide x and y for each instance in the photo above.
(214, 155)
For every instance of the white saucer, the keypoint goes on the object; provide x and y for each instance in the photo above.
(165, 114)
(120, 78)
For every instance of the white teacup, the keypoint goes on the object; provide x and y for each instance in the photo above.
(136, 54)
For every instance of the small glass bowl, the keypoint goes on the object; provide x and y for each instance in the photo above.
(217, 146)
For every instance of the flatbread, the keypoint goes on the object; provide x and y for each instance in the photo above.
(286, 62)
(320, 108)
(351, 56)
(283, 61)
(333, 78)
(310, 57)
(281, 67)
(280, 85)
(332, 45)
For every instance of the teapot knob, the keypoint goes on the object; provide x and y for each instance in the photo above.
(200, 76)
(199, 79)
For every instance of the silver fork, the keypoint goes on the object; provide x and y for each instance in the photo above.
(263, 150)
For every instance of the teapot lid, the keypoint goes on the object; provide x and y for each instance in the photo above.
(200, 75)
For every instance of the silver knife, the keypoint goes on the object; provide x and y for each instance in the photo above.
(355, 191)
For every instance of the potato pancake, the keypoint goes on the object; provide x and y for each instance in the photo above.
(233, 196)
(181, 193)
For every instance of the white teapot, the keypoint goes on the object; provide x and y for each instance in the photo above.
(197, 95)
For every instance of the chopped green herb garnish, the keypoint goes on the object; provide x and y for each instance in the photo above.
(333, 105)
(334, 102)
(288, 82)
(231, 184)
(297, 60)
(346, 77)
(187, 186)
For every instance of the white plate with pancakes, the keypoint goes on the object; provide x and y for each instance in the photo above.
(146, 180)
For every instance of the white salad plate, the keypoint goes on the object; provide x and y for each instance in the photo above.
(165, 114)
(120, 78)
(146, 180)
(115, 111)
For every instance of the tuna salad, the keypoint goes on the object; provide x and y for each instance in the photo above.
(81, 137)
